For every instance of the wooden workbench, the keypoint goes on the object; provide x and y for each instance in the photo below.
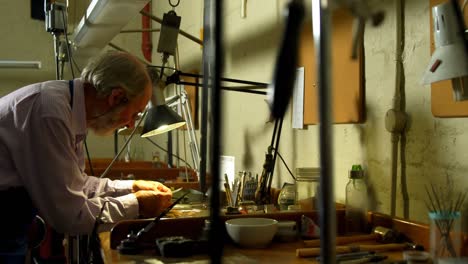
(281, 253)
(277, 252)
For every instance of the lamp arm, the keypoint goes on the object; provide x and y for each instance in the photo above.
(263, 192)
(195, 151)
(123, 147)
(183, 99)
(234, 89)
(175, 78)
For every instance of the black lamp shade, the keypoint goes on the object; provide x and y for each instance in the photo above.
(161, 119)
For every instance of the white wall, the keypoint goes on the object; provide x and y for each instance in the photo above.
(26, 39)
(435, 149)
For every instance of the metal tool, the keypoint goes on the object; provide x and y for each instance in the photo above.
(380, 234)
(366, 259)
(313, 252)
(130, 245)
(349, 256)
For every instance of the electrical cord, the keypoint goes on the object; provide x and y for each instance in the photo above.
(286, 165)
(76, 65)
(165, 150)
(94, 251)
(66, 43)
(71, 62)
(124, 146)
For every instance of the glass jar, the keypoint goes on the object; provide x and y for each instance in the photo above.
(287, 196)
(445, 235)
(307, 186)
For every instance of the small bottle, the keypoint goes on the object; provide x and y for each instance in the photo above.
(356, 201)
(287, 196)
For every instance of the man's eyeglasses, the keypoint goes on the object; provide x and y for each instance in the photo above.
(138, 116)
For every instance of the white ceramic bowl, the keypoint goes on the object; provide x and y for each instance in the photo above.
(252, 232)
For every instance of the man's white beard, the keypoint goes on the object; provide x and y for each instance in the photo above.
(105, 124)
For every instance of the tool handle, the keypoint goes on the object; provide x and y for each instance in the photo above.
(384, 247)
(342, 240)
(313, 252)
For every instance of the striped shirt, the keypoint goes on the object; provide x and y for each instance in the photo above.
(41, 149)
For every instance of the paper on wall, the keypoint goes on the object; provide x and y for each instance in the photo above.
(227, 166)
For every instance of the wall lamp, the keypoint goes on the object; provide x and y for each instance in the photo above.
(450, 58)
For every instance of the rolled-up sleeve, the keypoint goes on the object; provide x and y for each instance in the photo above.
(95, 187)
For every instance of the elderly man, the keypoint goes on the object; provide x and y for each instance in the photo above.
(42, 131)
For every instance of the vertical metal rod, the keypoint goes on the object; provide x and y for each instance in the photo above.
(57, 59)
(116, 142)
(169, 149)
(276, 146)
(212, 67)
(204, 123)
(321, 13)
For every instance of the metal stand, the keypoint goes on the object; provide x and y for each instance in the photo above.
(263, 192)
(183, 100)
(249, 87)
(212, 68)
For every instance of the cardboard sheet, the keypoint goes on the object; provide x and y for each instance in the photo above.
(347, 74)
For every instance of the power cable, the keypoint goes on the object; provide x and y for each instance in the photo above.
(286, 165)
(71, 61)
(165, 150)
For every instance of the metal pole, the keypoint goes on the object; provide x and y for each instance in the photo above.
(58, 76)
(212, 68)
(321, 13)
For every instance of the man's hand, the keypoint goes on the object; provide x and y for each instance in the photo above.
(140, 185)
(152, 203)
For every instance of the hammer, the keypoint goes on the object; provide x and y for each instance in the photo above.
(379, 234)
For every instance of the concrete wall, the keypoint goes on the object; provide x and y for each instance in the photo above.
(435, 147)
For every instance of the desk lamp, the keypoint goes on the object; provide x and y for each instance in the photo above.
(160, 118)
(450, 58)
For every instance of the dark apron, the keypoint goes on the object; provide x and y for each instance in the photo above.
(18, 213)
